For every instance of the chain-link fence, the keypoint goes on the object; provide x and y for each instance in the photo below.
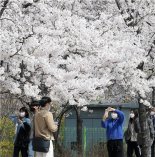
(93, 143)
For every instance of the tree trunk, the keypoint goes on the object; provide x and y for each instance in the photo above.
(79, 128)
(79, 133)
(153, 104)
(153, 97)
(146, 141)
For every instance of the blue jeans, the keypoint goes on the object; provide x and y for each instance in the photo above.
(30, 150)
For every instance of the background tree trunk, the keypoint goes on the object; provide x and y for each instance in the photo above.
(78, 127)
(146, 142)
(153, 97)
(79, 133)
(153, 104)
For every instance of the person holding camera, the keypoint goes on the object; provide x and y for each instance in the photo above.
(22, 132)
(114, 131)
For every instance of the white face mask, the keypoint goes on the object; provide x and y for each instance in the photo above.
(22, 114)
(114, 115)
(152, 113)
(132, 115)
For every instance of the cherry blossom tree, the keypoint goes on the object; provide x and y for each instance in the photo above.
(140, 16)
(71, 54)
(77, 51)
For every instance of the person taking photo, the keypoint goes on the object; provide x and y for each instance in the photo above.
(22, 132)
(113, 123)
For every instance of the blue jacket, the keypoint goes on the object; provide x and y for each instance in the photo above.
(114, 128)
(22, 131)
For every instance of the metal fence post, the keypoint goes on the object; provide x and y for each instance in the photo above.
(84, 141)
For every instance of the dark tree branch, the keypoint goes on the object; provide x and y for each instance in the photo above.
(149, 51)
(23, 101)
(118, 5)
(26, 5)
(4, 92)
(140, 66)
(152, 73)
(3, 7)
(22, 42)
(16, 52)
(22, 69)
(131, 20)
(7, 19)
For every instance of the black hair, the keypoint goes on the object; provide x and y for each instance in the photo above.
(48, 99)
(44, 101)
(135, 111)
(35, 103)
(24, 109)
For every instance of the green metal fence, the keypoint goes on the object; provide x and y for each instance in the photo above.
(93, 140)
(91, 137)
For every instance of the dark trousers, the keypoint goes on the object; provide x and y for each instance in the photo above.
(133, 147)
(153, 149)
(115, 148)
(24, 151)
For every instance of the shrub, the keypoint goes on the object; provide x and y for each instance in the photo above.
(6, 137)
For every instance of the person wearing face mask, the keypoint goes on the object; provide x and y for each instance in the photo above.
(114, 131)
(44, 126)
(22, 132)
(131, 136)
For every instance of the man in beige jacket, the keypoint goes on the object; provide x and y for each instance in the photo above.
(45, 125)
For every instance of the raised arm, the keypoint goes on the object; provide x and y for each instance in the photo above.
(119, 113)
(104, 119)
(13, 118)
(120, 116)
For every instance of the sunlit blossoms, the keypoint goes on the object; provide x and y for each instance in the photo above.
(71, 51)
